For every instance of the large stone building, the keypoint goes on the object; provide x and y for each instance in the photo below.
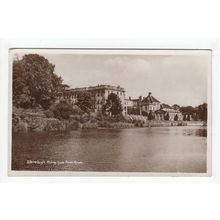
(150, 105)
(99, 93)
(141, 106)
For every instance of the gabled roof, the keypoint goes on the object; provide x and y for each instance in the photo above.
(149, 99)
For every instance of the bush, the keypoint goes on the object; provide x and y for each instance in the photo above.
(176, 118)
(89, 125)
(119, 125)
(77, 110)
(116, 118)
(49, 114)
(84, 118)
(15, 119)
(75, 117)
(53, 124)
(104, 124)
(63, 110)
(144, 113)
(73, 125)
(128, 119)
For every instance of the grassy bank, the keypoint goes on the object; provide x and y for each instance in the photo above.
(38, 120)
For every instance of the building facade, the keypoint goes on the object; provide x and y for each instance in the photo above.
(167, 112)
(99, 94)
(141, 106)
(150, 105)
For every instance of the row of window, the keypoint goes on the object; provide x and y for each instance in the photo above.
(103, 93)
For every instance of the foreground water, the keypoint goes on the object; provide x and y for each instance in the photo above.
(158, 149)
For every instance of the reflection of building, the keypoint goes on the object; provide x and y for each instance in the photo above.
(99, 93)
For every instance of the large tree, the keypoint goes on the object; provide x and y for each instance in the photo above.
(202, 111)
(85, 101)
(112, 106)
(34, 82)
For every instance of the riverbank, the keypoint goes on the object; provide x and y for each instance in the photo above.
(34, 121)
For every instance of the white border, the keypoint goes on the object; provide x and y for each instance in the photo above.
(63, 43)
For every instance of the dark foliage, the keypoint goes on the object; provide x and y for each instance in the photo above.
(34, 82)
(188, 117)
(197, 113)
(176, 118)
(85, 101)
(167, 117)
(62, 110)
(134, 111)
(150, 115)
(112, 106)
(144, 113)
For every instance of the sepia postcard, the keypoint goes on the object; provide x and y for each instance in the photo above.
(110, 111)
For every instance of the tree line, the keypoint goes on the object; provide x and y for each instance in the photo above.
(35, 84)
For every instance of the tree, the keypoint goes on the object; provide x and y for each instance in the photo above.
(202, 111)
(188, 117)
(150, 115)
(34, 82)
(167, 117)
(176, 107)
(188, 110)
(85, 101)
(144, 113)
(63, 110)
(113, 105)
(176, 118)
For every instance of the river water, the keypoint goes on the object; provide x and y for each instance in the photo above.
(156, 149)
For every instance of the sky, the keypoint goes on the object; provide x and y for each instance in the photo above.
(172, 78)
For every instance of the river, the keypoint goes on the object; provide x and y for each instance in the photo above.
(156, 149)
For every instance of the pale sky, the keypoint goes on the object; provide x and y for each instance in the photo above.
(172, 79)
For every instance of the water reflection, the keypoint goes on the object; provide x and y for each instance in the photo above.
(158, 149)
(201, 131)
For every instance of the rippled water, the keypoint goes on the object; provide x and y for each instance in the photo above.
(158, 149)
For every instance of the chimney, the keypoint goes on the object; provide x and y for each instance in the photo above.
(140, 98)
(129, 97)
(149, 93)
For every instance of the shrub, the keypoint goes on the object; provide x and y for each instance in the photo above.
(104, 124)
(63, 110)
(73, 124)
(84, 118)
(77, 110)
(53, 124)
(89, 125)
(75, 117)
(176, 118)
(144, 113)
(128, 119)
(49, 114)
